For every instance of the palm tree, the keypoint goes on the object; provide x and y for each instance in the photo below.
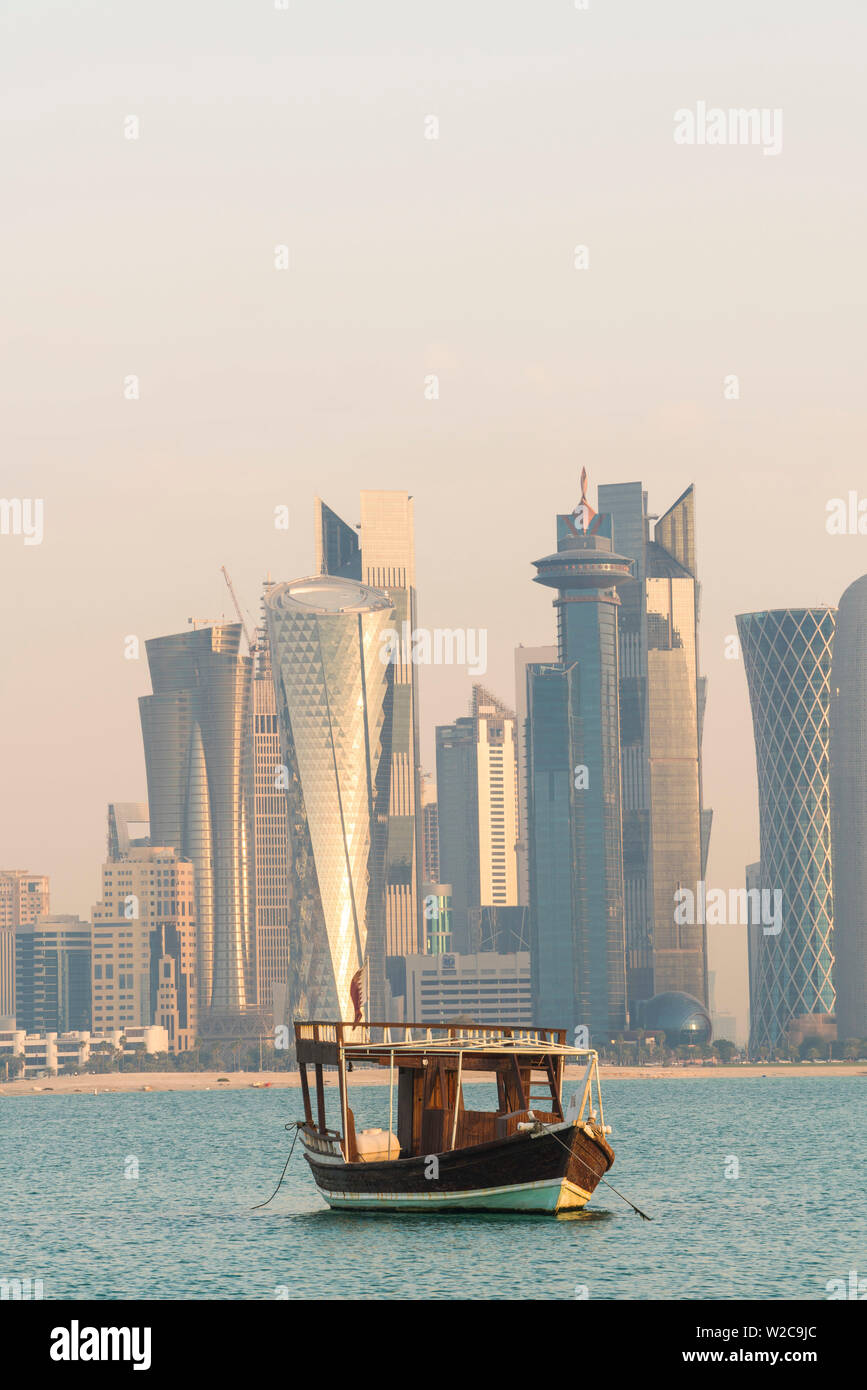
(812, 1046)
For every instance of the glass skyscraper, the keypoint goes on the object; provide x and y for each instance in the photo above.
(384, 558)
(334, 708)
(458, 811)
(338, 549)
(271, 847)
(574, 795)
(477, 787)
(849, 810)
(52, 974)
(524, 657)
(430, 831)
(787, 657)
(662, 696)
(196, 731)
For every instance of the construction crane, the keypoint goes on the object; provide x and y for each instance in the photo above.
(206, 622)
(252, 646)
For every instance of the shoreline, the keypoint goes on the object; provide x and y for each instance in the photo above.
(119, 1083)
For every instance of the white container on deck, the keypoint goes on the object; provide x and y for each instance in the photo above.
(376, 1145)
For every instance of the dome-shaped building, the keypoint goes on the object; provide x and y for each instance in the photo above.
(682, 1018)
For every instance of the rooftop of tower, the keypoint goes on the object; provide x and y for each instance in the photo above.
(482, 700)
(585, 557)
(327, 593)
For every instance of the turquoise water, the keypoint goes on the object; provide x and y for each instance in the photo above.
(183, 1229)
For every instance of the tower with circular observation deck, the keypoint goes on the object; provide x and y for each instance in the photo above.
(574, 790)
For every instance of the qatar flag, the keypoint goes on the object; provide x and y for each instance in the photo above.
(584, 514)
(356, 994)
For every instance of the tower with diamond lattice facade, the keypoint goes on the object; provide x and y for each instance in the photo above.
(787, 656)
(334, 709)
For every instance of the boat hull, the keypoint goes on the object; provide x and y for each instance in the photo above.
(550, 1170)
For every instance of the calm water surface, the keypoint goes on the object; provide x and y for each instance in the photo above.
(184, 1228)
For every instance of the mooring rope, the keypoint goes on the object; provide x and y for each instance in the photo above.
(296, 1125)
(568, 1149)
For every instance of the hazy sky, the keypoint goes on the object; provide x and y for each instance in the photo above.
(305, 127)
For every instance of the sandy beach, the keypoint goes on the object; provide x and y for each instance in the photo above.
(123, 1082)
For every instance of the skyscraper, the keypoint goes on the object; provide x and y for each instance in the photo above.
(196, 730)
(122, 815)
(24, 898)
(848, 720)
(662, 696)
(327, 638)
(502, 930)
(524, 657)
(52, 974)
(575, 843)
(787, 658)
(386, 561)
(430, 830)
(338, 549)
(477, 784)
(497, 766)
(271, 847)
(7, 976)
(458, 813)
(144, 945)
(755, 933)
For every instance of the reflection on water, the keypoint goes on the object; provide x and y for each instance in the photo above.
(585, 1214)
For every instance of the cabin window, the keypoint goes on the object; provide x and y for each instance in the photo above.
(480, 1096)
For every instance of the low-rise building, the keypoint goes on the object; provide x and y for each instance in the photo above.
(493, 990)
(49, 1053)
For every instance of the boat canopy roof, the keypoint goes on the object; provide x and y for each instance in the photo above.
(326, 1042)
(462, 1042)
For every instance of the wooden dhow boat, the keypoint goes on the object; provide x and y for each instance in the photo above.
(528, 1154)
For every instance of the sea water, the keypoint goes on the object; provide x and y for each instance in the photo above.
(755, 1187)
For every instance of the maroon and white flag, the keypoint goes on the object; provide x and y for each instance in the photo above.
(356, 994)
(584, 513)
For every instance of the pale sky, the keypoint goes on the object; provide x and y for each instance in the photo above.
(306, 127)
